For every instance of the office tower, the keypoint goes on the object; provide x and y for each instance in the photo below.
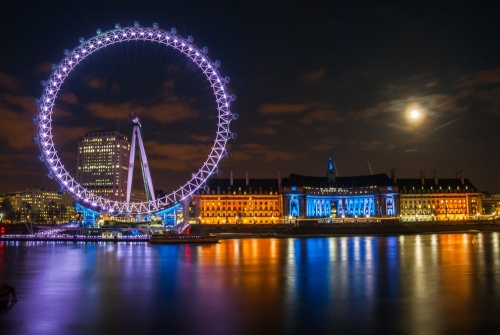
(103, 163)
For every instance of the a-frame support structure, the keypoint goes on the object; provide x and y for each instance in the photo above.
(146, 175)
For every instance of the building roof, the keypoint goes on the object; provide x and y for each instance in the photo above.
(215, 184)
(451, 184)
(380, 179)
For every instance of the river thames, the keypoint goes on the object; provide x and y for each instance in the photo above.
(413, 284)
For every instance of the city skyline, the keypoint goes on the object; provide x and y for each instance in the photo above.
(410, 86)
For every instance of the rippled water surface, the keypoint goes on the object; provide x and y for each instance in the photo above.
(423, 284)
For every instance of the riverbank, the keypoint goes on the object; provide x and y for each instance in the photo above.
(392, 227)
(301, 229)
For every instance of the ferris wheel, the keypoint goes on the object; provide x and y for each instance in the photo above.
(119, 34)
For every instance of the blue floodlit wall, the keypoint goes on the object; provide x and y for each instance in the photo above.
(332, 205)
(169, 215)
(293, 204)
(87, 215)
(327, 206)
(390, 206)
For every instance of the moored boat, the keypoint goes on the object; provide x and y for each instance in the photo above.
(181, 238)
(7, 296)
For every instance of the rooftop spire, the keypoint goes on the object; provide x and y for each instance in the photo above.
(330, 170)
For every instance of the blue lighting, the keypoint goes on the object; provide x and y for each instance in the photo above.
(169, 215)
(294, 207)
(88, 216)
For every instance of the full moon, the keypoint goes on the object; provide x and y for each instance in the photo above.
(415, 114)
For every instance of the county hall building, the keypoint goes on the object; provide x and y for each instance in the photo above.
(333, 198)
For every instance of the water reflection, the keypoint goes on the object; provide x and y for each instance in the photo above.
(422, 284)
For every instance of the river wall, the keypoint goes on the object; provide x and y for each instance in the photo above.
(386, 227)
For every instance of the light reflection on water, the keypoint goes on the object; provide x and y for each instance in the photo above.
(421, 284)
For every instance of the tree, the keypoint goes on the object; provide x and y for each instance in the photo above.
(8, 212)
(63, 210)
(26, 209)
(52, 211)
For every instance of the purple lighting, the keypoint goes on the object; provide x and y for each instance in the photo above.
(126, 34)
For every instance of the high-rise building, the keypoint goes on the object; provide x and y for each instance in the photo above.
(103, 163)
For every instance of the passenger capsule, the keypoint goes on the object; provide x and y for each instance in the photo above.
(82, 40)
(236, 116)
(37, 102)
(155, 25)
(234, 136)
(53, 67)
(219, 172)
(217, 64)
(34, 139)
(41, 159)
(227, 80)
(66, 52)
(190, 39)
(136, 24)
(43, 83)
(34, 120)
(173, 30)
(118, 26)
(49, 176)
(99, 31)
(205, 50)
(228, 154)
(233, 97)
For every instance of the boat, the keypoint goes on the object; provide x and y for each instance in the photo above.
(170, 237)
(7, 296)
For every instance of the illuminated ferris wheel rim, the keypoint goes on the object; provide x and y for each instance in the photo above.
(103, 39)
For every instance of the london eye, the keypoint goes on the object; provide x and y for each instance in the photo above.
(122, 35)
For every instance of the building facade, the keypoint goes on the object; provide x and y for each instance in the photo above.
(442, 199)
(235, 201)
(491, 204)
(37, 205)
(103, 158)
(332, 198)
(307, 197)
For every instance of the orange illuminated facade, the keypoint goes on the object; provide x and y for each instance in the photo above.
(235, 201)
(428, 199)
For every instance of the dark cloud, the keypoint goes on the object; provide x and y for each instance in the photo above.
(314, 76)
(175, 157)
(16, 112)
(9, 83)
(270, 131)
(164, 113)
(264, 153)
(270, 109)
(310, 82)
(320, 114)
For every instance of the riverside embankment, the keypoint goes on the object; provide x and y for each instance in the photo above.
(386, 227)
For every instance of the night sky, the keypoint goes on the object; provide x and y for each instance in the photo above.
(313, 79)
